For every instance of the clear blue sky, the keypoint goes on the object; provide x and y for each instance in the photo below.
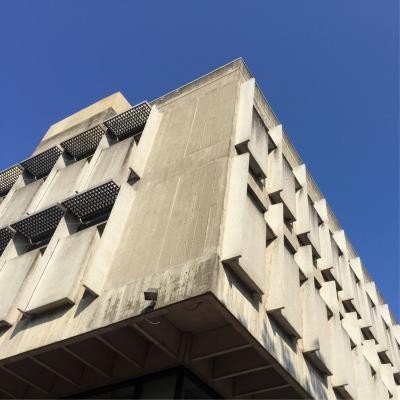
(329, 69)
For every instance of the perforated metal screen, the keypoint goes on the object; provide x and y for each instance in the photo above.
(94, 201)
(41, 164)
(129, 122)
(41, 224)
(8, 177)
(85, 143)
(5, 237)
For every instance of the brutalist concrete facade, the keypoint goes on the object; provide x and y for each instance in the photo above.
(199, 201)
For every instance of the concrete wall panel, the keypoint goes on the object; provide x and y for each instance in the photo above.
(61, 185)
(258, 145)
(12, 277)
(341, 357)
(60, 280)
(283, 281)
(109, 164)
(315, 338)
(170, 228)
(19, 203)
(182, 189)
(253, 243)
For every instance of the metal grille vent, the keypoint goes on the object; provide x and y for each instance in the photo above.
(84, 144)
(129, 122)
(41, 164)
(5, 237)
(8, 177)
(41, 224)
(94, 201)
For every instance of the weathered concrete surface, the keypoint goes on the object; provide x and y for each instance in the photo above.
(16, 203)
(224, 205)
(182, 189)
(84, 120)
(13, 274)
(66, 266)
(60, 184)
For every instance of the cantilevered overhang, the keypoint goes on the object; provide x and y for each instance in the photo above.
(198, 333)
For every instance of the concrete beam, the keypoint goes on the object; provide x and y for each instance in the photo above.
(216, 342)
(238, 363)
(162, 333)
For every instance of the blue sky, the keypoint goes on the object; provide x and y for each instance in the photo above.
(329, 69)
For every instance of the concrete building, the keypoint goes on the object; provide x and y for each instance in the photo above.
(181, 249)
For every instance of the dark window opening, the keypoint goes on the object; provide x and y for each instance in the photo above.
(39, 244)
(177, 383)
(367, 334)
(258, 179)
(340, 393)
(288, 246)
(317, 284)
(137, 137)
(270, 236)
(354, 276)
(383, 357)
(349, 307)
(302, 277)
(99, 219)
(289, 224)
(370, 302)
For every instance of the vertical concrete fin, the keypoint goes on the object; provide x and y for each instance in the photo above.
(245, 113)
(139, 160)
(12, 278)
(237, 192)
(102, 258)
(60, 281)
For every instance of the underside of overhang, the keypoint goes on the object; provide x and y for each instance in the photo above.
(198, 333)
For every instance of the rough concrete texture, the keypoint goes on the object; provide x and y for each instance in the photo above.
(213, 198)
(83, 120)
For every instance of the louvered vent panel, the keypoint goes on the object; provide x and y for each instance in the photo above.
(5, 237)
(84, 144)
(41, 224)
(8, 177)
(41, 164)
(129, 122)
(94, 201)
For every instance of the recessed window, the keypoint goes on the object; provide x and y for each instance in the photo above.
(383, 357)
(349, 307)
(370, 302)
(373, 372)
(317, 285)
(367, 334)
